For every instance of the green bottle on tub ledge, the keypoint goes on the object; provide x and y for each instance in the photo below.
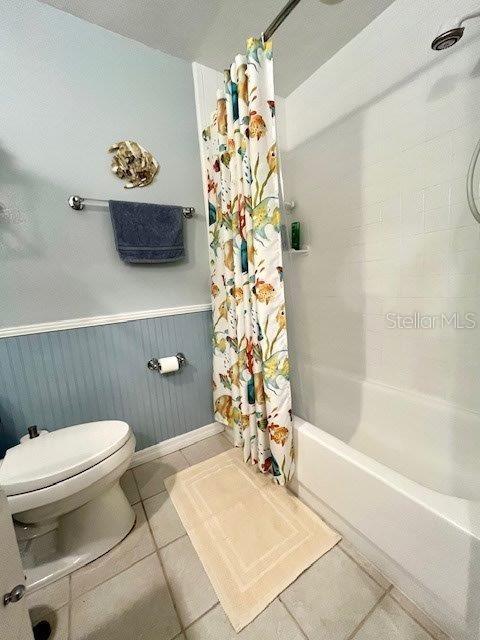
(295, 235)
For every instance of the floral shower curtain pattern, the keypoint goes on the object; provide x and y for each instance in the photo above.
(250, 361)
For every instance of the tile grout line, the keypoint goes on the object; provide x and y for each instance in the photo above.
(291, 615)
(214, 606)
(69, 622)
(390, 585)
(142, 498)
(165, 576)
(170, 591)
(185, 457)
(415, 619)
(368, 614)
(389, 589)
(164, 546)
(136, 485)
(115, 575)
(159, 548)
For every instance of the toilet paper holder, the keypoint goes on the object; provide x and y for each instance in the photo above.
(154, 363)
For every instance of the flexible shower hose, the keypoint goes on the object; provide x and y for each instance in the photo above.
(471, 171)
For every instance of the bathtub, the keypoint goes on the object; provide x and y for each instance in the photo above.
(411, 504)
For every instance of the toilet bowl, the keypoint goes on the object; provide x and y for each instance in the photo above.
(64, 493)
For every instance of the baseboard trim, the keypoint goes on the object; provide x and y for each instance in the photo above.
(176, 443)
(228, 433)
(94, 321)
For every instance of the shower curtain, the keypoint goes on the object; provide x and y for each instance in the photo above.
(250, 354)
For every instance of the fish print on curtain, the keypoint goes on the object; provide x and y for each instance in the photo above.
(250, 354)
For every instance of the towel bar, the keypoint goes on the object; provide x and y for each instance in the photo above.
(78, 203)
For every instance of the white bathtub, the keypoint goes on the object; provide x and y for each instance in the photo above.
(424, 540)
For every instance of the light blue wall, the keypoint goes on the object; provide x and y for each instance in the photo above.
(68, 90)
(97, 373)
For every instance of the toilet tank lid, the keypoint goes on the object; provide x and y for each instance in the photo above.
(61, 454)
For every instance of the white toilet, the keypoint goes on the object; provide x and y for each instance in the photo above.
(64, 493)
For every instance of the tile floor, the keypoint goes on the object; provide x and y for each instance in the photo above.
(152, 586)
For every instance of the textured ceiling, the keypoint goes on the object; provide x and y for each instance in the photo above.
(213, 31)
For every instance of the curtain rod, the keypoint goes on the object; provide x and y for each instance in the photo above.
(278, 20)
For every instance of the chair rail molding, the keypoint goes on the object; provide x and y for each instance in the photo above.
(93, 321)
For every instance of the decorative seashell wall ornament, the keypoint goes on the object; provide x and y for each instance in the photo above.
(133, 163)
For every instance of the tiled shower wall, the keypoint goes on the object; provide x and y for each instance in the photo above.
(61, 378)
(378, 145)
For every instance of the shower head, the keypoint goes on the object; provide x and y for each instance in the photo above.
(451, 32)
(447, 38)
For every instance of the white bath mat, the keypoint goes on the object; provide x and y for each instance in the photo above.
(253, 537)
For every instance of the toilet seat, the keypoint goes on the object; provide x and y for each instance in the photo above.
(74, 485)
(59, 455)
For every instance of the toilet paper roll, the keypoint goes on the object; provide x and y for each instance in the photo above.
(167, 365)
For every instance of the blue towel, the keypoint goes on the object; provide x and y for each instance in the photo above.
(147, 232)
